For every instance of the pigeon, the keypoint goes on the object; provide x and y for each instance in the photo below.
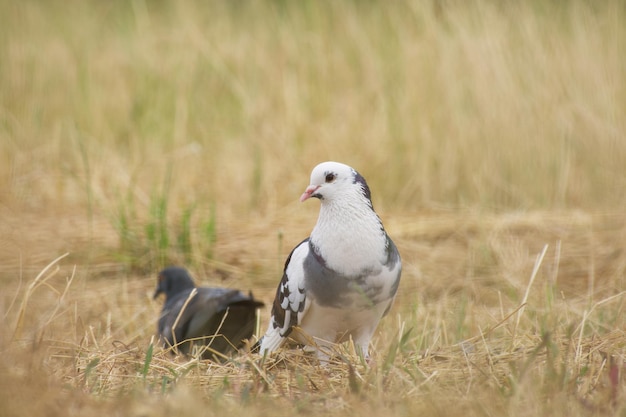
(340, 281)
(219, 318)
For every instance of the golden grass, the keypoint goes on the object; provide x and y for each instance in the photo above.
(458, 105)
(470, 333)
(492, 137)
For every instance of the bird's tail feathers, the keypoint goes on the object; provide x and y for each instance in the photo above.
(271, 341)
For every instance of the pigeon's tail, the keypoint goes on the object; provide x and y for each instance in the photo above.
(271, 341)
(237, 322)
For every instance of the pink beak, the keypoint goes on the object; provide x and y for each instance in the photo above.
(308, 192)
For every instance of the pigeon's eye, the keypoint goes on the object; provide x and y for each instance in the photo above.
(330, 177)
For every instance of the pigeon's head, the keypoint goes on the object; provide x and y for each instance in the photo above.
(332, 180)
(173, 280)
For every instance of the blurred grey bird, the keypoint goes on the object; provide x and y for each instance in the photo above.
(339, 282)
(219, 320)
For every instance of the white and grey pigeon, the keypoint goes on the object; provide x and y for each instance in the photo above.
(339, 282)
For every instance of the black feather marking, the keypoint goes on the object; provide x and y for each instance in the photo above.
(358, 179)
(283, 292)
(393, 257)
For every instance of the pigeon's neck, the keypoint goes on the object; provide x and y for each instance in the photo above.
(349, 236)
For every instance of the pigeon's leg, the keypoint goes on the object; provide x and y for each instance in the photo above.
(323, 354)
(363, 349)
(362, 340)
(323, 350)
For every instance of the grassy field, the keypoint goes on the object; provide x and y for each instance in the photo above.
(138, 134)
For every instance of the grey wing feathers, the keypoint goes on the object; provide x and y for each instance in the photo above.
(218, 317)
(290, 303)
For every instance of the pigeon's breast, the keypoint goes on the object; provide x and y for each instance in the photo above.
(351, 262)
(362, 290)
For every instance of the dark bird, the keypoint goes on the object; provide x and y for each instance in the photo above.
(218, 320)
(339, 282)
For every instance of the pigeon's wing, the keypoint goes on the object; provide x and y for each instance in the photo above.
(177, 314)
(218, 317)
(290, 304)
(393, 264)
(226, 318)
(203, 309)
(238, 321)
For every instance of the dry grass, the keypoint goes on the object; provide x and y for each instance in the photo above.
(133, 134)
(470, 333)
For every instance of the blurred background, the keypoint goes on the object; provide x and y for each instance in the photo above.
(160, 124)
(138, 134)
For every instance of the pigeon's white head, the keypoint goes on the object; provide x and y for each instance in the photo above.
(333, 180)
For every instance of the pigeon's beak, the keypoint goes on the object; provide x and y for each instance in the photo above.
(157, 293)
(309, 192)
(161, 286)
